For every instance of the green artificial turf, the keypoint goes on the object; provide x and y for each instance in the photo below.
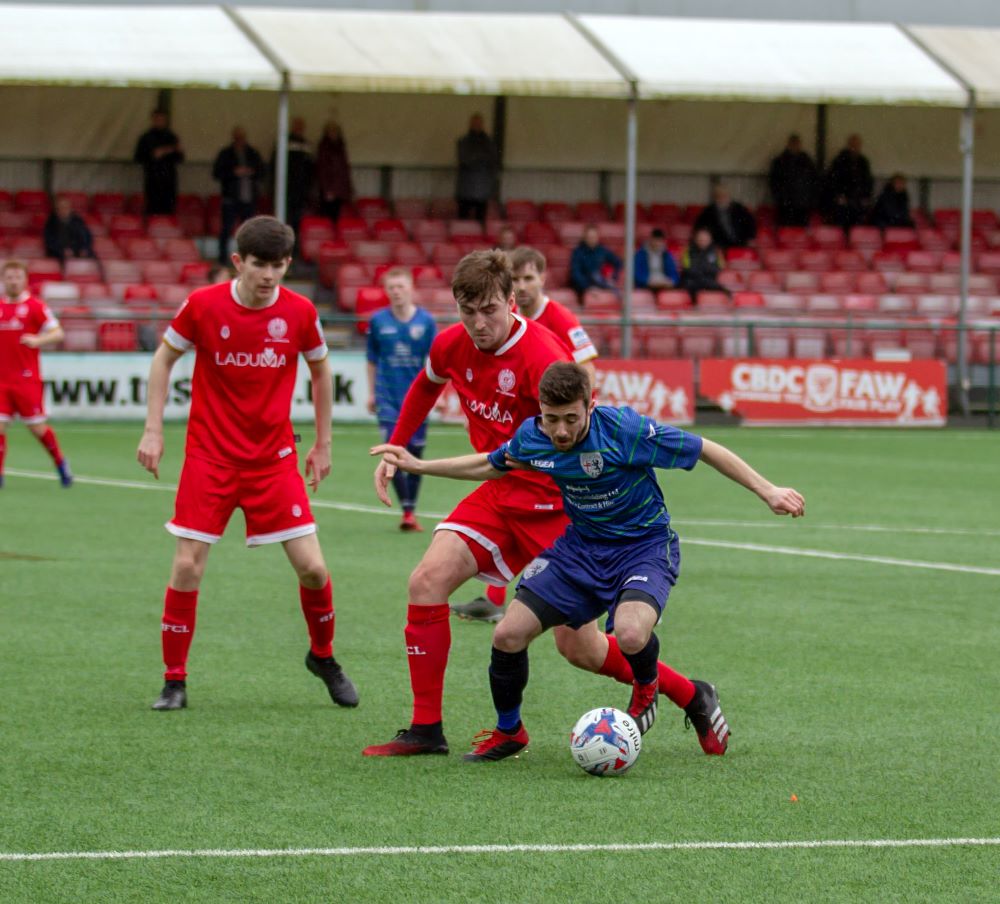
(866, 689)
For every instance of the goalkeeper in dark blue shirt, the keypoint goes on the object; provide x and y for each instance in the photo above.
(619, 555)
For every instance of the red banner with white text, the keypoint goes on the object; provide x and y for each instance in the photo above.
(663, 390)
(835, 393)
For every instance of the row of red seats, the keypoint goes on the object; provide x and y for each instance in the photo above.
(846, 281)
(82, 271)
(62, 294)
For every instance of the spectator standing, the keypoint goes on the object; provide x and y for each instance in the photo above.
(238, 169)
(66, 234)
(794, 182)
(301, 169)
(507, 239)
(655, 267)
(593, 265)
(333, 172)
(731, 224)
(849, 185)
(477, 171)
(159, 151)
(701, 264)
(892, 208)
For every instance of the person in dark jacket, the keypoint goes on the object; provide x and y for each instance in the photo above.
(333, 172)
(592, 265)
(477, 171)
(849, 186)
(238, 169)
(654, 265)
(300, 174)
(66, 234)
(701, 264)
(892, 208)
(159, 152)
(794, 182)
(731, 224)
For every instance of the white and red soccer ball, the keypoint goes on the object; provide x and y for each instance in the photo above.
(605, 742)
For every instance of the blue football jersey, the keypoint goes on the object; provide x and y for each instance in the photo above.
(398, 351)
(607, 480)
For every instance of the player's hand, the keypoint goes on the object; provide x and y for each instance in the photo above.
(150, 452)
(397, 457)
(383, 477)
(371, 404)
(32, 340)
(786, 501)
(516, 465)
(317, 466)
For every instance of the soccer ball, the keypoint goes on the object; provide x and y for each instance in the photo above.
(605, 742)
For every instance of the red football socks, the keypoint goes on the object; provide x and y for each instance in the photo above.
(428, 639)
(48, 439)
(673, 685)
(496, 595)
(178, 630)
(317, 607)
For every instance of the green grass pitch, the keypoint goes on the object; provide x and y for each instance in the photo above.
(865, 686)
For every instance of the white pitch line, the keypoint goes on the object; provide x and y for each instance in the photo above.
(509, 849)
(692, 541)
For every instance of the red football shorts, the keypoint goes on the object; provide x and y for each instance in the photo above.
(274, 502)
(502, 539)
(23, 400)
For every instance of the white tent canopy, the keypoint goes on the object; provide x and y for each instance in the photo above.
(453, 53)
(972, 53)
(775, 61)
(129, 46)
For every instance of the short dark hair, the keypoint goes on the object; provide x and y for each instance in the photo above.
(482, 275)
(266, 238)
(657, 234)
(521, 257)
(564, 383)
(14, 264)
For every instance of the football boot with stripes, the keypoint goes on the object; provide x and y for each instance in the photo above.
(642, 706)
(705, 714)
(494, 744)
(173, 696)
(412, 741)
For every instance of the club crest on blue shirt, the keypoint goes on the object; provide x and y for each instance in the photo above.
(416, 331)
(592, 463)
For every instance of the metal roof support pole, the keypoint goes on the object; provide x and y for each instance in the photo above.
(967, 144)
(630, 200)
(281, 154)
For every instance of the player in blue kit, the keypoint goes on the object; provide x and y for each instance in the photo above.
(399, 339)
(619, 555)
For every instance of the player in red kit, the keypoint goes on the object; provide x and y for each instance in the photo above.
(529, 265)
(494, 359)
(247, 335)
(26, 326)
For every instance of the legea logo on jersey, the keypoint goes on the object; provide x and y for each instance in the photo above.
(506, 380)
(277, 329)
(266, 358)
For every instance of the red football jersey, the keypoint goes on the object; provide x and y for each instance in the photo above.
(244, 375)
(567, 328)
(499, 392)
(26, 314)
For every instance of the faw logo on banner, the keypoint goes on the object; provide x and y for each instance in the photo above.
(845, 393)
(662, 390)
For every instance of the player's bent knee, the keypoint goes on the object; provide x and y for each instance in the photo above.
(313, 575)
(631, 638)
(580, 649)
(510, 640)
(429, 583)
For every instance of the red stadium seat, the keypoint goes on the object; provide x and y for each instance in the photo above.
(664, 214)
(352, 229)
(951, 262)
(372, 252)
(556, 212)
(838, 282)
(874, 283)
(536, 233)
(794, 237)
(117, 336)
(126, 225)
(368, 300)
(191, 215)
(662, 342)
(849, 259)
(865, 238)
(801, 281)
(781, 260)
(742, 259)
(733, 280)
(409, 254)
(446, 254)
(923, 261)
(430, 232)
(82, 270)
(27, 247)
(140, 292)
(858, 303)
(816, 261)
(829, 238)
(748, 300)
(160, 271)
(195, 273)
(570, 233)
(428, 276)
(764, 281)
(910, 283)
(936, 305)
(824, 304)
(141, 249)
(888, 261)
(372, 209)
(895, 305)
(591, 211)
(773, 342)
(783, 303)
(933, 240)
(390, 230)
(410, 208)
(601, 301)
(697, 342)
(442, 209)
(944, 282)
(164, 227)
(521, 210)
(713, 302)
(32, 201)
(180, 250)
(808, 343)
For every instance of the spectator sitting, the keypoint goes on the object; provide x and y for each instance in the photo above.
(730, 223)
(238, 169)
(592, 265)
(701, 264)
(893, 206)
(654, 264)
(66, 234)
(507, 240)
(477, 171)
(849, 185)
(794, 182)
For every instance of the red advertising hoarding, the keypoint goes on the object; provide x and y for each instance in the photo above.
(663, 390)
(835, 393)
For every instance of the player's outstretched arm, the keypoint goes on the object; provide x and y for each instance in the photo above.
(318, 457)
(51, 336)
(462, 467)
(780, 500)
(151, 445)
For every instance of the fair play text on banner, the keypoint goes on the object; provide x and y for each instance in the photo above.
(663, 390)
(836, 393)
